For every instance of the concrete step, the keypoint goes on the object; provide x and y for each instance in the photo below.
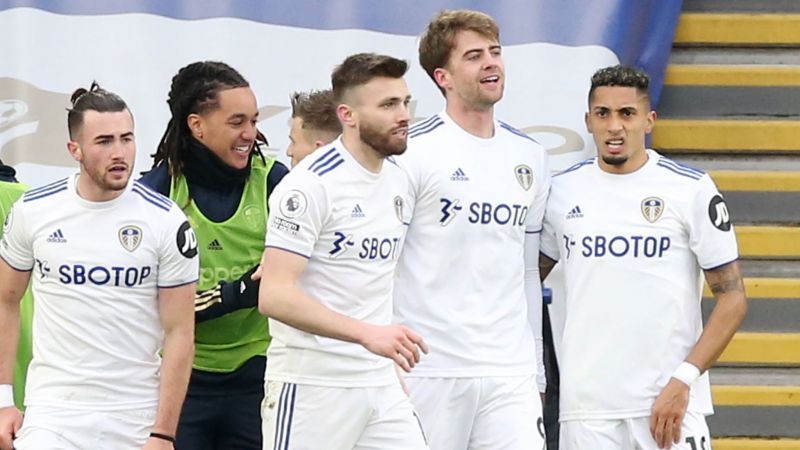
(753, 180)
(732, 75)
(755, 376)
(778, 349)
(769, 242)
(726, 136)
(710, 162)
(754, 268)
(768, 288)
(773, 305)
(730, 56)
(760, 6)
(730, 101)
(755, 444)
(755, 410)
(737, 29)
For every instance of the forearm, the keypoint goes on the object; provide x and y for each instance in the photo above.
(176, 366)
(728, 289)
(9, 336)
(227, 297)
(290, 305)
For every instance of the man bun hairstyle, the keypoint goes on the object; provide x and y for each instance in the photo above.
(93, 99)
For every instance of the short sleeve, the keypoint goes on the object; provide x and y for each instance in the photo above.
(533, 221)
(178, 262)
(16, 246)
(298, 210)
(711, 234)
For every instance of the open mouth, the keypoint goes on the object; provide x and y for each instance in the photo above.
(615, 144)
(402, 132)
(119, 168)
(490, 79)
(243, 148)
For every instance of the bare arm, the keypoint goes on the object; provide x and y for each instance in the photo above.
(12, 286)
(670, 406)
(728, 289)
(176, 308)
(281, 299)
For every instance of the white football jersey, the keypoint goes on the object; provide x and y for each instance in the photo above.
(349, 223)
(460, 279)
(632, 247)
(96, 268)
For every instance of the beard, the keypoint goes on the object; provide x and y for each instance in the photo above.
(383, 142)
(615, 160)
(107, 183)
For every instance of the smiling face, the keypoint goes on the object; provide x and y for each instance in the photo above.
(105, 148)
(229, 129)
(474, 76)
(619, 119)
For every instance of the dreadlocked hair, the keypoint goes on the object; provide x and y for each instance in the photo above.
(195, 90)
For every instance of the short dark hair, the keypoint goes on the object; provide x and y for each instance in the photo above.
(317, 109)
(622, 76)
(93, 99)
(439, 37)
(360, 68)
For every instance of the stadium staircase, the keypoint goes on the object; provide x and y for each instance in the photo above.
(731, 106)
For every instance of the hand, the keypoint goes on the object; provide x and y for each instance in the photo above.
(395, 342)
(10, 423)
(668, 411)
(257, 274)
(158, 444)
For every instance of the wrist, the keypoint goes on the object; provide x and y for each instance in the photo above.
(163, 436)
(686, 373)
(6, 395)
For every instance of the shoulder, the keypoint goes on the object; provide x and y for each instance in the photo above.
(677, 172)
(157, 179)
(151, 199)
(46, 194)
(576, 169)
(509, 131)
(426, 127)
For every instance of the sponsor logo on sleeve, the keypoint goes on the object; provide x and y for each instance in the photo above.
(284, 225)
(718, 213)
(293, 204)
(186, 240)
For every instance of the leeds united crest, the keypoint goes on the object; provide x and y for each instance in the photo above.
(524, 176)
(652, 207)
(130, 237)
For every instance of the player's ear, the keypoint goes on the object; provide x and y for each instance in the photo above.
(319, 143)
(195, 124)
(75, 150)
(442, 77)
(651, 122)
(346, 115)
(586, 121)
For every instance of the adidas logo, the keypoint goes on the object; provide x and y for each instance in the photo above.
(57, 236)
(459, 175)
(575, 213)
(357, 211)
(215, 245)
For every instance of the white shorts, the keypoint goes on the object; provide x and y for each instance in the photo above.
(492, 413)
(631, 434)
(305, 417)
(52, 428)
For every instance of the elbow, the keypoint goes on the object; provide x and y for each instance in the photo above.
(267, 299)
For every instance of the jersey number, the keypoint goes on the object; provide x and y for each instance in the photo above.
(693, 442)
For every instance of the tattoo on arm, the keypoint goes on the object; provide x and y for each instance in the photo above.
(725, 279)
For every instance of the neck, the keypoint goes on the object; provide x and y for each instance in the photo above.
(368, 157)
(202, 166)
(89, 191)
(479, 123)
(634, 163)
